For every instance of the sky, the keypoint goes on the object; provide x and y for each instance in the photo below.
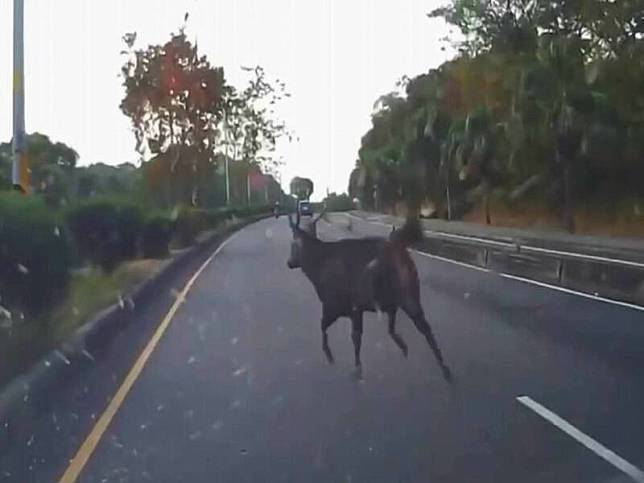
(336, 58)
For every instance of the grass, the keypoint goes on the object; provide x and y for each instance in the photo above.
(90, 291)
(621, 218)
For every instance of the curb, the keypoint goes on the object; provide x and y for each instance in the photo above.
(93, 336)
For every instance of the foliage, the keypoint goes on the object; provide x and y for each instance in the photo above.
(174, 99)
(51, 166)
(252, 211)
(335, 202)
(188, 222)
(184, 114)
(106, 231)
(156, 236)
(34, 253)
(544, 97)
(251, 129)
(302, 188)
(101, 179)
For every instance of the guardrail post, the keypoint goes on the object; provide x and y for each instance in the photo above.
(560, 270)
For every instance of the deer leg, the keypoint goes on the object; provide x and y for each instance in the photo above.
(326, 323)
(356, 335)
(418, 317)
(393, 334)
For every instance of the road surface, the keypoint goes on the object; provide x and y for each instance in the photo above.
(238, 389)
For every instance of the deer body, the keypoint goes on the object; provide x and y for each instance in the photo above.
(354, 276)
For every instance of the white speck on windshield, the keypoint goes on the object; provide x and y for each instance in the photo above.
(62, 357)
(240, 371)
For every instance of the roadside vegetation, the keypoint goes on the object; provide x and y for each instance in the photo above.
(542, 106)
(86, 235)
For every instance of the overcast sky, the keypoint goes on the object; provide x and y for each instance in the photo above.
(336, 57)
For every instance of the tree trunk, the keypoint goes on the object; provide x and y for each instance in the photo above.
(568, 216)
(488, 217)
(248, 187)
(449, 200)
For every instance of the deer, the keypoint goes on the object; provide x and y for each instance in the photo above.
(370, 274)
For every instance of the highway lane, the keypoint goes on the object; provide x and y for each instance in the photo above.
(238, 388)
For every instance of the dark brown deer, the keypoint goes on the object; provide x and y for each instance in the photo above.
(371, 274)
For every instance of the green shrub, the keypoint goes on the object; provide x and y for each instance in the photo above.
(157, 233)
(341, 202)
(106, 231)
(217, 217)
(35, 255)
(252, 211)
(188, 223)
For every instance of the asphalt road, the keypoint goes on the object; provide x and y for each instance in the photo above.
(238, 388)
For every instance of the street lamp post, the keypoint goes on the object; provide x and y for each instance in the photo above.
(19, 171)
(227, 135)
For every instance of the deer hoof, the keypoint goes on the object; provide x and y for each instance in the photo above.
(357, 374)
(447, 374)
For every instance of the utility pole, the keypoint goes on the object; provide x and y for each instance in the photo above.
(248, 186)
(227, 179)
(20, 167)
(227, 135)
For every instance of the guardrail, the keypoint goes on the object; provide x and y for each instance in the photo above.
(519, 247)
(598, 276)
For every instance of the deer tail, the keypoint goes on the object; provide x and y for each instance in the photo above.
(408, 234)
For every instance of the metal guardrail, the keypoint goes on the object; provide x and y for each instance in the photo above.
(616, 278)
(518, 247)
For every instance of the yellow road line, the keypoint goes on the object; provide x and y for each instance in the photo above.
(84, 453)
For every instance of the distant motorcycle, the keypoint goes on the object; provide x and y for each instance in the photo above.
(276, 211)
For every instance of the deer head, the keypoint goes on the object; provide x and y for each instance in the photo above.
(301, 235)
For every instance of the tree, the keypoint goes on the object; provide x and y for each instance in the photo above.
(544, 99)
(302, 188)
(174, 98)
(251, 129)
(338, 202)
(605, 27)
(105, 179)
(51, 165)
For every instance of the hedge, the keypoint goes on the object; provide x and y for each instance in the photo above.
(35, 255)
(156, 236)
(106, 231)
(189, 222)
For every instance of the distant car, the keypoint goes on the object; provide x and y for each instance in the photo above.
(305, 208)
